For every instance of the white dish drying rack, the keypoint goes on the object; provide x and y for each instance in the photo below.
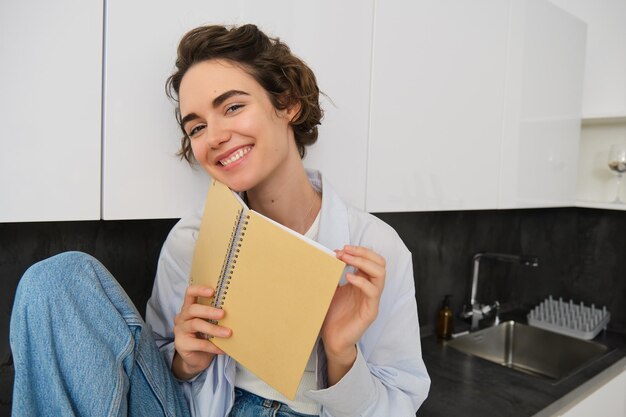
(569, 318)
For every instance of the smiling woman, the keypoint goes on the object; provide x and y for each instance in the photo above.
(282, 75)
(247, 108)
(235, 132)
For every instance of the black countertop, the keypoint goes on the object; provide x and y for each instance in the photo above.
(463, 385)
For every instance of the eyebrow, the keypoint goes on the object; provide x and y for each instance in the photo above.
(217, 101)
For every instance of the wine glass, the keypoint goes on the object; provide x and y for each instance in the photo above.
(617, 163)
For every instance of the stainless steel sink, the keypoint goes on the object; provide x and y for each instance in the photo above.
(529, 349)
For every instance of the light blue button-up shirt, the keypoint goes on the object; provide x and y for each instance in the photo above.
(388, 378)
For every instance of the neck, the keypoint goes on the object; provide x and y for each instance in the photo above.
(291, 200)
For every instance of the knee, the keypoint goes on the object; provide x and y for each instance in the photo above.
(59, 273)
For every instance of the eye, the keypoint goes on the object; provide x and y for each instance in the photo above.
(195, 131)
(233, 108)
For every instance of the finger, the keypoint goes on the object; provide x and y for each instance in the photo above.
(195, 325)
(202, 326)
(369, 289)
(194, 344)
(204, 312)
(364, 252)
(364, 265)
(193, 292)
(198, 311)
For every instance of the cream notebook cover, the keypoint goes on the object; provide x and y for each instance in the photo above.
(273, 284)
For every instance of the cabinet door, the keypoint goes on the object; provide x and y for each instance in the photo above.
(474, 105)
(605, 65)
(142, 176)
(608, 401)
(541, 129)
(437, 103)
(50, 108)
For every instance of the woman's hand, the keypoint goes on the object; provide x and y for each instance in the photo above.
(353, 308)
(194, 353)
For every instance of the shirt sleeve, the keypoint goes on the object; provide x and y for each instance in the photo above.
(170, 284)
(210, 393)
(169, 288)
(388, 377)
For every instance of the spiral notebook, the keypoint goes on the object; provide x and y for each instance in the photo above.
(273, 284)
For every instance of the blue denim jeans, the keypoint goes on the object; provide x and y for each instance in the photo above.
(251, 405)
(80, 347)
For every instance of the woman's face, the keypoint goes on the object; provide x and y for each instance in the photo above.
(236, 134)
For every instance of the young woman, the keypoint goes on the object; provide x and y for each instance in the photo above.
(248, 108)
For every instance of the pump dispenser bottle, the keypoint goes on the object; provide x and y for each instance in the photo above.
(445, 320)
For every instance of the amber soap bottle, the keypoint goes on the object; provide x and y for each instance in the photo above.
(445, 320)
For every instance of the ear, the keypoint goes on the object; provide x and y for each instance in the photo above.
(293, 111)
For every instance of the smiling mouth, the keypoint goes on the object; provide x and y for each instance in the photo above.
(235, 156)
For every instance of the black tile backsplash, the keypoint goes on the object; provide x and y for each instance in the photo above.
(582, 255)
(129, 249)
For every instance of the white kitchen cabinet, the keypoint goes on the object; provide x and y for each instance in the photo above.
(608, 400)
(438, 82)
(541, 125)
(604, 98)
(461, 114)
(142, 177)
(474, 105)
(605, 65)
(50, 109)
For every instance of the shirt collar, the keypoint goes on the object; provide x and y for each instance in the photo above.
(334, 230)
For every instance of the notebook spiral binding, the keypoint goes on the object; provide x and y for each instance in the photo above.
(217, 299)
(240, 232)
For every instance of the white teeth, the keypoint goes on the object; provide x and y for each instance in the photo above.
(235, 156)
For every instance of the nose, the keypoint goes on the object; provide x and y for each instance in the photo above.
(217, 133)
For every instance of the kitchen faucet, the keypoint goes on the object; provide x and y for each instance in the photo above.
(479, 311)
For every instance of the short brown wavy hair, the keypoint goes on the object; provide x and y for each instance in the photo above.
(286, 78)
